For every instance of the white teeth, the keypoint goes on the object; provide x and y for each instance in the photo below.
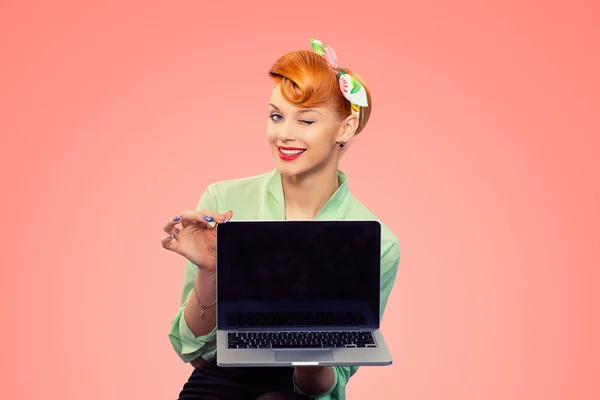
(291, 152)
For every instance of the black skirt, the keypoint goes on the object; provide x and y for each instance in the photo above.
(212, 382)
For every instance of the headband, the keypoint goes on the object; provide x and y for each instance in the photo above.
(349, 85)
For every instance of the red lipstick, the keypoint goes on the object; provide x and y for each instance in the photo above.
(289, 157)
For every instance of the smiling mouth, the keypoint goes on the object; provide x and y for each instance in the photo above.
(290, 152)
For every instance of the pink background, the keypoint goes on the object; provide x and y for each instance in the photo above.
(481, 155)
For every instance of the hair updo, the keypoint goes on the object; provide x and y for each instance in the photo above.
(308, 80)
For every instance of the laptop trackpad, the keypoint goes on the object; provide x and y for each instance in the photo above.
(303, 355)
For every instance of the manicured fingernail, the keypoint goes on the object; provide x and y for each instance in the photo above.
(222, 219)
(177, 218)
(225, 221)
(208, 219)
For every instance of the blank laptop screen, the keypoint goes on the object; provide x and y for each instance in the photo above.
(298, 274)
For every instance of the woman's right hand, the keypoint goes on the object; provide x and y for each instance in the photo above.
(196, 239)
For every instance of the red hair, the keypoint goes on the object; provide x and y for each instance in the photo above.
(308, 80)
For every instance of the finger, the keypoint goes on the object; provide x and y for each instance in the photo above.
(187, 223)
(223, 218)
(187, 217)
(169, 226)
(228, 215)
(169, 243)
(202, 216)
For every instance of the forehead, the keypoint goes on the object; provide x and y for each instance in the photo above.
(283, 105)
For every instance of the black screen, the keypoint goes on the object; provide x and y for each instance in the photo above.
(298, 273)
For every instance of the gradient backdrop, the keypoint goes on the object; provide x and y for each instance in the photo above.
(481, 155)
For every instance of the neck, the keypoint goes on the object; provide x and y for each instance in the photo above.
(306, 196)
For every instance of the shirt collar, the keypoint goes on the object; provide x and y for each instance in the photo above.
(333, 209)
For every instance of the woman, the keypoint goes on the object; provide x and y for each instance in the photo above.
(315, 109)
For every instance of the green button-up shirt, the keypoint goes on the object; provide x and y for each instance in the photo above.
(261, 198)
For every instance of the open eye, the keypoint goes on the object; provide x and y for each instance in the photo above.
(275, 117)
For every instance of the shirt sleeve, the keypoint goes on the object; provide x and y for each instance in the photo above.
(188, 346)
(390, 259)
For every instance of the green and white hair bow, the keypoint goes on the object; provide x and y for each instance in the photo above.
(349, 85)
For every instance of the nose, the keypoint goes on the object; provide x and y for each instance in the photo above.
(285, 132)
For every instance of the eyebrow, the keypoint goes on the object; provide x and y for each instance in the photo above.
(299, 112)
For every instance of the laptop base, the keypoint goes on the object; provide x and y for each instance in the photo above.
(373, 356)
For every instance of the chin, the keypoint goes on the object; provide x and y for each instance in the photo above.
(300, 167)
(290, 170)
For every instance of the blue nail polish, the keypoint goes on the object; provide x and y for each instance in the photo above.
(208, 219)
(177, 218)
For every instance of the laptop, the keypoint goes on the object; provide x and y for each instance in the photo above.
(299, 293)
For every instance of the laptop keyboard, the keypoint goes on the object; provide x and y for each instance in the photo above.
(308, 340)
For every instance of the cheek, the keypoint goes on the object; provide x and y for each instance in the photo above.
(271, 133)
(320, 140)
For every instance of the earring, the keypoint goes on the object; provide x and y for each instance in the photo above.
(341, 144)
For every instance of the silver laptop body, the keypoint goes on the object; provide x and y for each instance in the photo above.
(293, 293)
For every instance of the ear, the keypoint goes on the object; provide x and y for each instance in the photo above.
(348, 128)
